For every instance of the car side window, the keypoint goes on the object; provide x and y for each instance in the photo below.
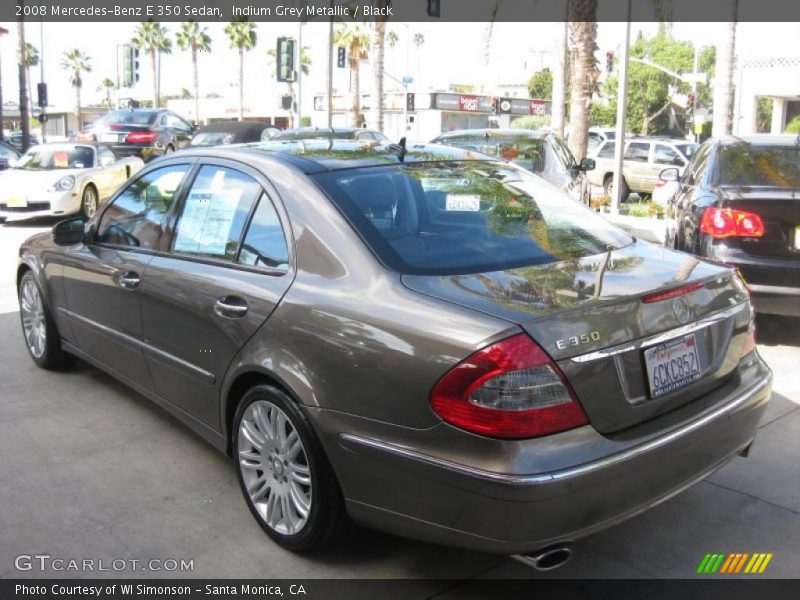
(607, 151)
(138, 215)
(564, 151)
(265, 243)
(694, 171)
(637, 151)
(665, 155)
(7, 153)
(104, 153)
(366, 135)
(214, 213)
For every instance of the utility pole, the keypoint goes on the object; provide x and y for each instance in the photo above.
(622, 92)
(3, 32)
(42, 107)
(299, 64)
(330, 70)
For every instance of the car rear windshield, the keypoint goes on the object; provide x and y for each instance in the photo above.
(465, 217)
(528, 153)
(747, 165)
(127, 117)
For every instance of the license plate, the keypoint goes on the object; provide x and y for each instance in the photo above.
(672, 365)
(17, 202)
(797, 238)
(110, 137)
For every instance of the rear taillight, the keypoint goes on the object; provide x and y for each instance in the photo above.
(511, 389)
(141, 137)
(722, 223)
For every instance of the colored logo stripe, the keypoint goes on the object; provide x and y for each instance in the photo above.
(734, 563)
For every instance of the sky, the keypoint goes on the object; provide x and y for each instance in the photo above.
(451, 53)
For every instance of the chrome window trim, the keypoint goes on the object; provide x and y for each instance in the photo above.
(659, 338)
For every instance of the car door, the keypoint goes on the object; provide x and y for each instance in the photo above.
(181, 130)
(226, 269)
(102, 277)
(635, 167)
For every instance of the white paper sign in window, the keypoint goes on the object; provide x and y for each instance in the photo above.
(205, 225)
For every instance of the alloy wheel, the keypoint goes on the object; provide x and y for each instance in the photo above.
(89, 202)
(33, 318)
(275, 467)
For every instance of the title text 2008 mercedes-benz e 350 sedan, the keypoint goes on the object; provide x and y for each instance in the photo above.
(427, 341)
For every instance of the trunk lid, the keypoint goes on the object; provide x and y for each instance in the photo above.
(588, 314)
(779, 209)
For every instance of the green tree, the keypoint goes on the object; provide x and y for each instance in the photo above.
(418, 40)
(242, 36)
(540, 85)
(194, 38)
(153, 38)
(357, 41)
(106, 86)
(75, 63)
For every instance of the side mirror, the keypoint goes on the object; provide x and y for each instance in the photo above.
(587, 164)
(69, 232)
(670, 174)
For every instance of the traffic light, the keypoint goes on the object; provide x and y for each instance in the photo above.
(434, 8)
(285, 58)
(41, 92)
(340, 57)
(130, 65)
(609, 61)
(410, 102)
(287, 101)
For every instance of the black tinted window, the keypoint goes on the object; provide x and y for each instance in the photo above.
(607, 151)
(215, 212)
(665, 155)
(264, 244)
(138, 215)
(773, 166)
(527, 152)
(466, 217)
(637, 151)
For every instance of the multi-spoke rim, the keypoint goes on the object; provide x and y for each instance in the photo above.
(33, 322)
(89, 202)
(274, 467)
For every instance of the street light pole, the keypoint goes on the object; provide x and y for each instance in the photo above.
(622, 92)
(3, 32)
(299, 64)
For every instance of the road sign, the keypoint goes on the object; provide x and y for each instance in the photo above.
(407, 79)
(340, 56)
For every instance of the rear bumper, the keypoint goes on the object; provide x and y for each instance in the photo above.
(142, 151)
(774, 282)
(508, 509)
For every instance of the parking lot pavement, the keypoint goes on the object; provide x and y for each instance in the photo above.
(90, 469)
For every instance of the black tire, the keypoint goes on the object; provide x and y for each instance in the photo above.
(90, 202)
(327, 520)
(52, 356)
(608, 184)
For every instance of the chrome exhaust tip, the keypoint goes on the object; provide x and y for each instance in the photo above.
(546, 559)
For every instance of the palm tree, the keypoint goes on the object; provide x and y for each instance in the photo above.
(106, 86)
(378, 51)
(357, 41)
(242, 37)
(392, 39)
(24, 115)
(723, 79)
(76, 62)
(153, 38)
(305, 67)
(31, 59)
(583, 33)
(194, 38)
(418, 39)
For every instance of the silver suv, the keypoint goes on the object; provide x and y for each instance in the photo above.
(644, 160)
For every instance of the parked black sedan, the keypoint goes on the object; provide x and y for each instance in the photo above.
(223, 133)
(146, 133)
(739, 202)
(540, 152)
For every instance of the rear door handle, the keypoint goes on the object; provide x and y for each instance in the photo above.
(231, 307)
(129, 280)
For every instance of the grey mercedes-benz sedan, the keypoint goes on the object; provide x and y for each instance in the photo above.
(420, 339)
